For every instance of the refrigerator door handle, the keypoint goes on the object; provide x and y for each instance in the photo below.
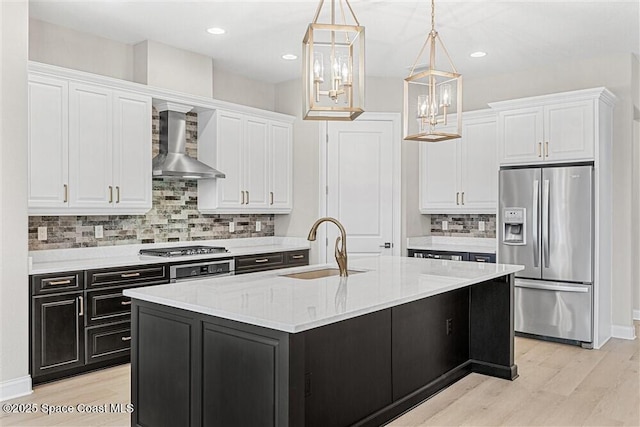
(551, 287)
(536, 198)
(545, 223)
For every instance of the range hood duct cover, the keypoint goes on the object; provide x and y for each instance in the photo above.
(172, 160)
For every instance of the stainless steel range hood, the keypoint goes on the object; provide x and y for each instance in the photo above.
(172, 161)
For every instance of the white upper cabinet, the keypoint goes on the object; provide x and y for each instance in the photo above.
(89, 149)
(132, 151)
(550, 128)
(281, 166)
(461, 175)
(255, 155)
(48, 143)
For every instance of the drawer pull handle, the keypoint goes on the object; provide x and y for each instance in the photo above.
(271, 197)
(262, 260)
(81, 304)
(539, 149)
(297, 256)
(546, 148)
(125, 338)
(110, 194)
(66, 193)
(125, 302)
(125, 275)
(60, 282)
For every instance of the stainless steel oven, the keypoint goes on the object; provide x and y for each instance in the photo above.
(201, 270)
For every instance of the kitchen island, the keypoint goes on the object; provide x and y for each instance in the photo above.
(267, 349)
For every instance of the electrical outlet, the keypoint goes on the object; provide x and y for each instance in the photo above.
(481, 225)
(42, 233)
(258, 225)
(99, 232)
(445, 225)
(232, 227)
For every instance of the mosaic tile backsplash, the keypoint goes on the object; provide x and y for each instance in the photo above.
(173, 217)
(464, 225)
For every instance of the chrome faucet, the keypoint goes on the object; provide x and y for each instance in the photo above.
(341, 253)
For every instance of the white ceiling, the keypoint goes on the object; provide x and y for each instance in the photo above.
(516, 34)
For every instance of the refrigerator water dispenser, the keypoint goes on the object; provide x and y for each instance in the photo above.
(514, 226)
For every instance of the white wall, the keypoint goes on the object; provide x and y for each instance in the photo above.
(56, 45)
(160, 65)
(635, 92)
(14, 284)
(231, 87)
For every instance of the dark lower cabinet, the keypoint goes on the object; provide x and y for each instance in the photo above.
(107, 342)
(237, 366)
(430, 338)
(58, 333)
(348, 369)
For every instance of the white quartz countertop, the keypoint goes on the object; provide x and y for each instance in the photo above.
(452, 244)
(55, 261)
(273, 301)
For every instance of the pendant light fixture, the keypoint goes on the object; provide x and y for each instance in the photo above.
(333, 66)
(432, 94)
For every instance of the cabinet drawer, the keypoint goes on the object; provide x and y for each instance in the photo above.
(107, 305)
(58, 282)
(297, 258)
(482, 257)
(147, 274)
(260, 262)
(108, 342)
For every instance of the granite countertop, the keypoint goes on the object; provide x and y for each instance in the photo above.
(273, 301)
(61, 260)
(453, 244)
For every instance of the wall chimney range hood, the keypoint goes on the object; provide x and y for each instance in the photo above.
(172, 160)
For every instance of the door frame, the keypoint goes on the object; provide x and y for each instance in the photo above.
(323, 138)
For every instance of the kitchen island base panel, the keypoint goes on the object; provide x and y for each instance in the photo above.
(193, 369)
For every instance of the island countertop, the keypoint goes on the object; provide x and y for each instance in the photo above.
(271, 300)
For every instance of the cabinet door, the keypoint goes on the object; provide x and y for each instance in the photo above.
(281, 167)
(90, 147)
(256, 163)
(520, 135)
(48, 142)
(479, 166)
(132, 152)
(439, 176)
(229, 140)
(569, 131)
(57, 334)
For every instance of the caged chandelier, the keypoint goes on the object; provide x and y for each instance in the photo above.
(333, 66)
(431, 95)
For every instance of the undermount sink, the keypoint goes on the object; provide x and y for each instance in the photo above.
(318, 274)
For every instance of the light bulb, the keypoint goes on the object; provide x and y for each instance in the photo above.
(318, 67)
(445, 95)
(423, 105)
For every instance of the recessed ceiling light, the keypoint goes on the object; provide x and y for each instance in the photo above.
(289, 56)
(216, 30)
(478, 54)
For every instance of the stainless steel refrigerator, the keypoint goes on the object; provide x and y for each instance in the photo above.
(545, 222)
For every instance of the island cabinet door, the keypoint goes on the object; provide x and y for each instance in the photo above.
(430, 338)
(348, 370)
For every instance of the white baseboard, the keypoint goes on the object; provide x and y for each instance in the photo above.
(15, 388)
(623, 332)
(636, 314)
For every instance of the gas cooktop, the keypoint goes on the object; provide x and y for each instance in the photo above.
(177, 251)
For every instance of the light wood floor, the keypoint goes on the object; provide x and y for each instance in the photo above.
(559, 385)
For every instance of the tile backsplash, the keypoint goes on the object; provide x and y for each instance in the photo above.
(463, 225)
(173, 217)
